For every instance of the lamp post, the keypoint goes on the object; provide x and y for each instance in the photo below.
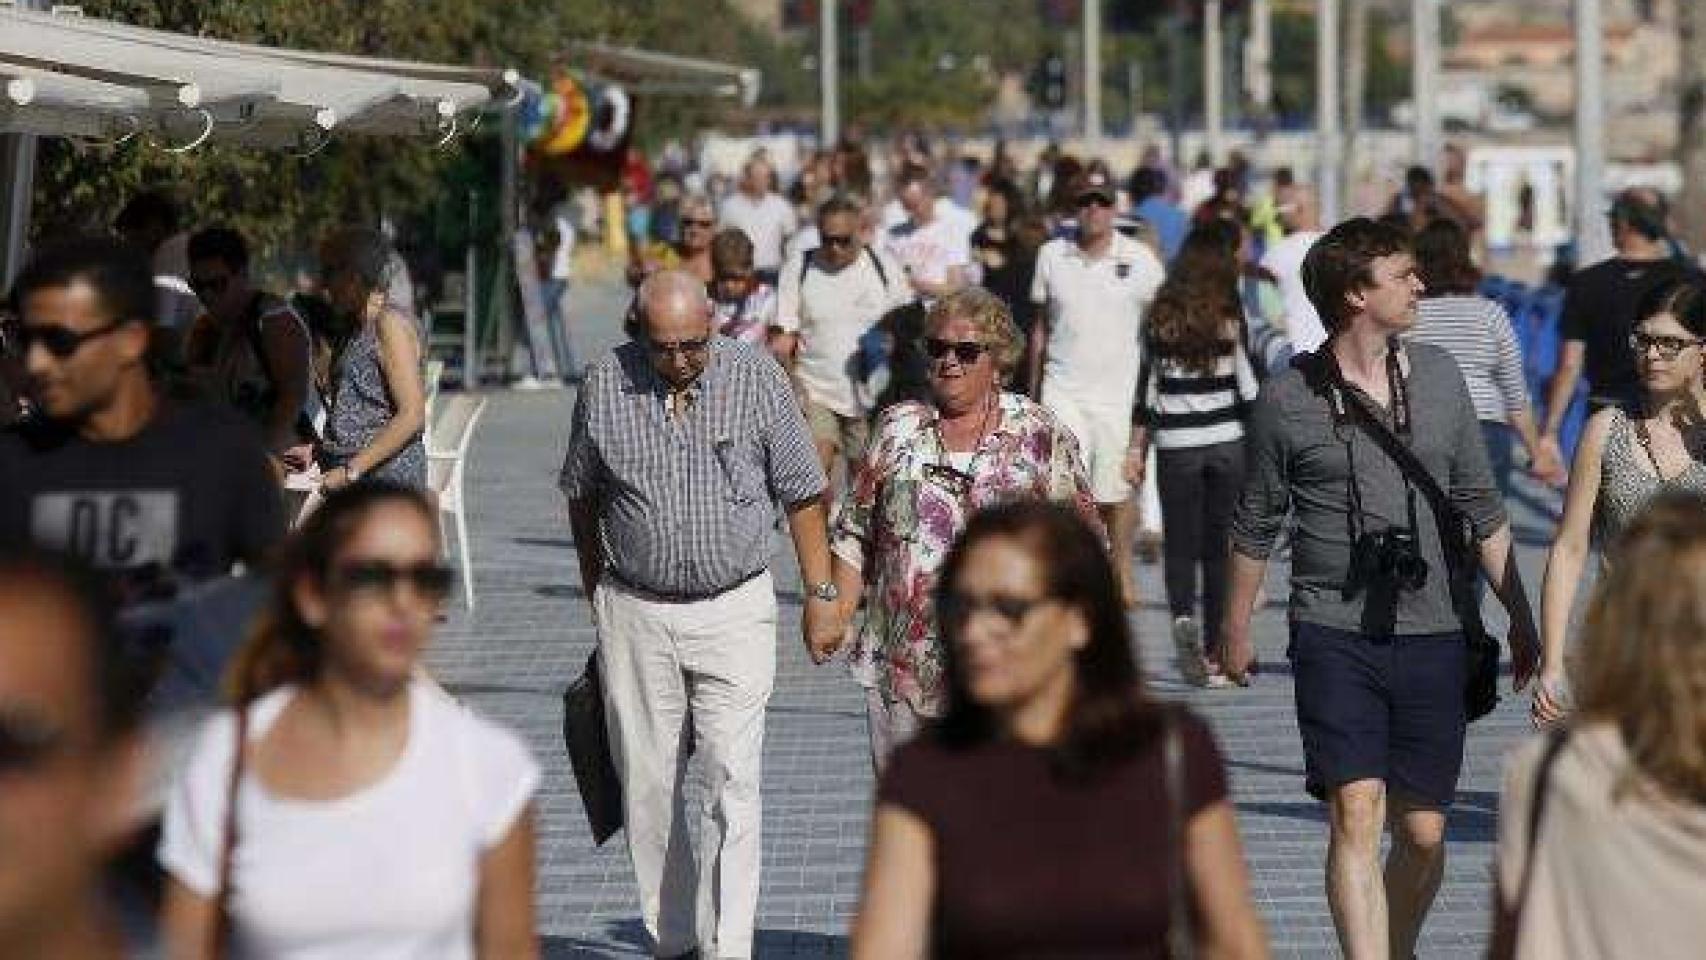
(1592, 243)
(1328, 147)
(828, 74)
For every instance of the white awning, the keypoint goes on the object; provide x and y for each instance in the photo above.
(42, 101)
(648, 71)
(234, 92)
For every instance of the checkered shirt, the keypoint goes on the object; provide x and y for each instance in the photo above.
(686, 502)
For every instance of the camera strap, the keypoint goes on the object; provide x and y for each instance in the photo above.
(1349, 406)
(1456, 532)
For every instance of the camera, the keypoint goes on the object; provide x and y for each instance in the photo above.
(1386, 559)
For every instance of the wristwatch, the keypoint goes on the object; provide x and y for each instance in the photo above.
(825, 591)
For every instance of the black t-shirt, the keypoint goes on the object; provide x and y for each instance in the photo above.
(1029, 865)
(1600, 310)
(191, 495)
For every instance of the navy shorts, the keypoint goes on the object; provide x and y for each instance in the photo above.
(1380, 708)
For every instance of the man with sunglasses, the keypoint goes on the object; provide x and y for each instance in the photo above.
(1092, 289)
(683, 443)
(154, 492)
(70, 762)
(830, 298)
(250, 350)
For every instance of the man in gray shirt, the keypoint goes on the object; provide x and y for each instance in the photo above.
(682, 444)
(1379, 659)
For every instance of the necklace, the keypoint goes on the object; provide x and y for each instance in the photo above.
(1644, 434)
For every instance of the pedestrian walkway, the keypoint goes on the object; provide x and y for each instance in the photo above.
(532, 633)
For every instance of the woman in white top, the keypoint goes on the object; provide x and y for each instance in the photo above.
(1602, 826)
(374, 816)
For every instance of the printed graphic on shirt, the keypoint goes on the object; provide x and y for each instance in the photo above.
(111, 530)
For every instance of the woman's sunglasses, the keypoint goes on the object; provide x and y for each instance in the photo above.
(26, 742)
(430, 580)
(965, 351)
(958, 608)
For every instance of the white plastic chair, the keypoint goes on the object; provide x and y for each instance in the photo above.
(433, 377)
(448, 440)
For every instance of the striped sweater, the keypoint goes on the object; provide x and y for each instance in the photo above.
(1477, 333)
(1183, 407)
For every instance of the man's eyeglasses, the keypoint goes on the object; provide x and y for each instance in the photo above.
(430, 580)
(965, 351)
(61, 342)
(1095, 200)
(837, 239)
(26, 742)
(695, 222)
(1669, 347)
(690, 347)
(957, 607)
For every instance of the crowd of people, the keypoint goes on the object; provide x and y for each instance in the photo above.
(967, 425)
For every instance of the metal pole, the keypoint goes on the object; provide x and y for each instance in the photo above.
(1176, 90)
(866, 66)
(1134, 92)
(1592, 243)
(471, 300)
(1260, 56)
(17, 184)
(1214, 100)
(1093, 74)
(1424, 82)
(1327, 108)
(829, 74)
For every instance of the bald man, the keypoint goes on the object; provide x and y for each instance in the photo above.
(682, 445)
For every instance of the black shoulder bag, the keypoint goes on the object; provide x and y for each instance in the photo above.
(1457, 534)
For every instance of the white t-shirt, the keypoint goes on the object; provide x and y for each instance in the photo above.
(830, 312)
(563, 258)
(390, 871)
(928, 251)
(767, 222)
(1285, 261)
(1095, 318)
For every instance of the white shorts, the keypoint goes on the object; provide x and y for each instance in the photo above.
(1103, 434)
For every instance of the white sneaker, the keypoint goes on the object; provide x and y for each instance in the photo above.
(1187, 645)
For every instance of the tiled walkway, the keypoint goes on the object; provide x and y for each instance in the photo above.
(531, 633)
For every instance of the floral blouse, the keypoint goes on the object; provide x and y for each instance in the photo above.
(909, 499)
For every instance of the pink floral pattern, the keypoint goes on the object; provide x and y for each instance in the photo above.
(900, 515)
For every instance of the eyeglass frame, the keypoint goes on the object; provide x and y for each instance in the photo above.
(1669, 347)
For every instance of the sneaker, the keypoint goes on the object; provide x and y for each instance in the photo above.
(1187, 644)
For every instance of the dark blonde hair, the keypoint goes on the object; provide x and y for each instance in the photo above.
(282, 647)
(990, 315)
(1643, 660)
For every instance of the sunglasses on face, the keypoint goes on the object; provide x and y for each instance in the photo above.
(958, 607)
(702, 224)
(837, 239)
(1095, 200)
(61, 342)
(689, 347)
(429, 580)
(26, 742)
(965, 351)
(1669, 347)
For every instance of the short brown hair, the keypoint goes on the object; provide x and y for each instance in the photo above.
(731, 251)
(989, 314)
(1342, 262)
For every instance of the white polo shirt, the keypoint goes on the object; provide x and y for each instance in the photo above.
(767, 222)
(830, 312)
(1095, 318)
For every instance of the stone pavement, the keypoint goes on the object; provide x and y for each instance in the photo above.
(531, 634)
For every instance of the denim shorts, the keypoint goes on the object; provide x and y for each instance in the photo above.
(1380, 708)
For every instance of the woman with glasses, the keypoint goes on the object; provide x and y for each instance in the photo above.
(691, 250)
(1056, 809)
(1625, 459)
(347, 806)
(374, 396)
(926, 469)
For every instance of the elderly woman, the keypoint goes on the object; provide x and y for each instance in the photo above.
(927, 468)
(691, 250)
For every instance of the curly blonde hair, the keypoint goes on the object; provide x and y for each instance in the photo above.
(994, 323)
(1643, 660)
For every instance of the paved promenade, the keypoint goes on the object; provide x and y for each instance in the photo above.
(531, 634)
